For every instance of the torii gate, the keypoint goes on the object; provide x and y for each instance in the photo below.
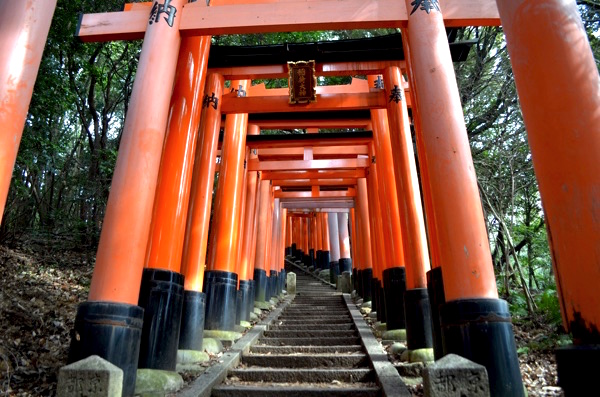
(563, 136)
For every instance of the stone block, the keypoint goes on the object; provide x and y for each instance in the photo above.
(157, 382)
(212, 345)
(394, 334)
(366, 304)
(191, 357)
(253, 316)
(90, 377)
(345, 282)
(223, 336)
(397, 348)
(455, 376)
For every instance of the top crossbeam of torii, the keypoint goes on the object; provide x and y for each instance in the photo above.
(262, 16)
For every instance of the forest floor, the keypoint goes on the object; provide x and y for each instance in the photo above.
(40, 289)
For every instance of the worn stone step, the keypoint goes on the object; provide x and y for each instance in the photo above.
(306, 360)
(312, 375)
(309, 341)
(315, 327)
(306, 349)
(300, 333)
(295, 321)
(315, 316)
(288, 390)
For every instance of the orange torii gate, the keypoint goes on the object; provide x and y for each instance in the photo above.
(566, 164)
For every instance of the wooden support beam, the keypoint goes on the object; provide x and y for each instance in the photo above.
(313, 174)
(296, 212)
(321, 69)
(325, 102)
(348, 182)
(313, 140)
(198, 20)
(318, 152)
(292, 165)
(273, 124)
(315, 203)
(327, 194)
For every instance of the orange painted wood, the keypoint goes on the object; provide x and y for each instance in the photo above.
(198, 19)
(313, 174)
(228, 201)
(24, 26)
(246, 264)
(294, 165)
(355, 243)
(319, 231)
(262, 227)
(325, 232)
(463, 240)
(329, 69)
(325, 102)
(346, 182)
(565, 146)
(314, 141)
(320, 194)
(318, 152)
(407, 183)
(167, 231)
(307, 123)
(364, 230)
(388, 195)
(318, 204)
(200, 204)
(124, 238)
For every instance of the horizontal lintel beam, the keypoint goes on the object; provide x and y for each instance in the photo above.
(327, 194)
(314, 174)
(315, 182)
(197, 19)
(291, 165)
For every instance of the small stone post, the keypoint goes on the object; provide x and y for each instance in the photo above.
(90, 377)
(455, 376)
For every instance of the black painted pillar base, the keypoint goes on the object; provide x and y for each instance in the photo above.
(394, 287)
(282, 277)
(435, 289)
(307, 260)
(375, 295)
(252, 299)
(325, 260)
(299, 255)
(243, 297)
(381, 313)
(294, 250)
(161, 297)
(319, 259)
(192, 321)
(221, 297)
(577, 367)
(356, 283)
(288, 251)
(273, 282)
(481, 331)
(260, 287)
(334, 271)
(311, 254)
(367, 281)
(112, 331)
(345, 265)
(418, 319)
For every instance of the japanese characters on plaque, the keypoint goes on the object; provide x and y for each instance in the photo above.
(302, 82)
(164, 8)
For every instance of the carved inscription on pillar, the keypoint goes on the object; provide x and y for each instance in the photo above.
(165, 8)
(425, 5)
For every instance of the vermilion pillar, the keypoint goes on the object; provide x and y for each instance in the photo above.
(364, 232)
(551, 58)
(345, 261)
(115, 285)
(312, 249)
(274, 243)
(200, 203)
(25, 26)
(221, 279)
(319, 239)
(260, 266)
(469, 281)
(246, 271)
(325, 256)
(161, 292)
(334, 247)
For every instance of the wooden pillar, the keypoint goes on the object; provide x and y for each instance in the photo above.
(364, 233)
(551, 56)
(221, 279)
(260, 266)
(200, 203)
(25, 26)
(163, 308)
(469, 282)
(115, 284)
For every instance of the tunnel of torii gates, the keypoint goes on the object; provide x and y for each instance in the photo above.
(419, 248)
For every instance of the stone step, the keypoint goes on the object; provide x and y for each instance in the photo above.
(352, 360)
(306, 349)
(296, 321)
(313, 327)
(310, 341)
(299, 333)
(293, 390)
(316, 375)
